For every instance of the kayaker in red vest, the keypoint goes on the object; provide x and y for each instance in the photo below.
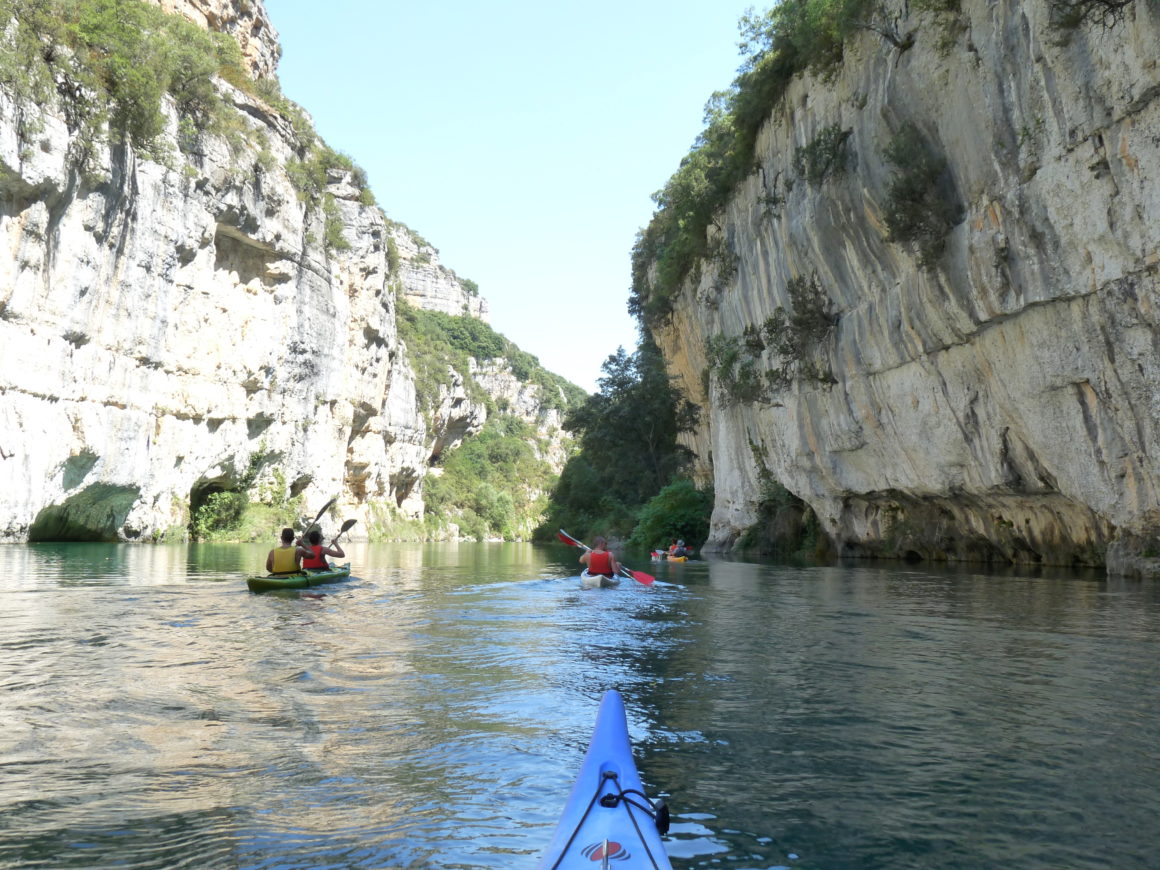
(600, 560)
(314, 554)
(284, 559)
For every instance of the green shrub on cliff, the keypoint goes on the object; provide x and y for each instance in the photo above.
(795, 36)
(492, 485)
(1071, 14)
(795, 334)
(823, 156)
(735, 366)
(113, 61)
(311, 174)
(921, 203)
(436, 341)
(250, 510)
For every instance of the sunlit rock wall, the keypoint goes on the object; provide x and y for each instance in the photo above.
(170, 328)
(166, 331)
(1005, 404)
(245, 20)
(430, 285)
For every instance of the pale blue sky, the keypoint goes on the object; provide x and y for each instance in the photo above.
(522, 139)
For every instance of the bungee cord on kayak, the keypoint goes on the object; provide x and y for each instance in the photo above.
(659, 815)
(601, 820)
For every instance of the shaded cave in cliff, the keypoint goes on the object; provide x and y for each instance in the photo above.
(403, 483)
(785, 527)
(1030, 530)
(213, 505)
(237, 254)
(96, 513)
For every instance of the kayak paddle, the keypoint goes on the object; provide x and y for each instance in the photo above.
(318, 516)
(345, 528)
(639, 576)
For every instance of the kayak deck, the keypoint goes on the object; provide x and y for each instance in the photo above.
(299, 579)
(589, 581)
(608, 821)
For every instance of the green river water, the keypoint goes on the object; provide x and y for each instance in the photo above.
(432, 711)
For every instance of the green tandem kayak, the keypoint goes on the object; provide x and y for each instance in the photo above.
(298, 580)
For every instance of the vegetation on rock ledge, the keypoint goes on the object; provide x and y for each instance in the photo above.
(795, 37)
(795, 337)
(111, 64)
(113, 61)
(628, 454)
(437, 342)
(493, 485)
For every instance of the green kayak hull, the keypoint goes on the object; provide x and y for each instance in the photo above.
(300, 580)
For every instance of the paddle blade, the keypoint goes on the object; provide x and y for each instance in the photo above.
(325, 508)
(345, 528)
(639, 576)
(569, 540)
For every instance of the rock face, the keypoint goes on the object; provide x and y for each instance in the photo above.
(528, 402)
(1004, 402)
(247, 22)
(427, 284)
(168, 330)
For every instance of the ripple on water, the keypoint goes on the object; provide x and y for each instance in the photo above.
(433, 714)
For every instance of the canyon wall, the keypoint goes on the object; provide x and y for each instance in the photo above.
(177, 325)
(1000, 400)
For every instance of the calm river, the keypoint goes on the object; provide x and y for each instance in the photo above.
(432, 711)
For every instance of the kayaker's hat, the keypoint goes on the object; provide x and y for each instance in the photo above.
(680, 543)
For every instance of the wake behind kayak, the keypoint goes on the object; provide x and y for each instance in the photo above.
(608, 821)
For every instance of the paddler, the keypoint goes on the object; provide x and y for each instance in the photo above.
(284, 559)
(599, 560)
(314, 555)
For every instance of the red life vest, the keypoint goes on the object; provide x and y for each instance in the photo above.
(316, 561)
(600, 563)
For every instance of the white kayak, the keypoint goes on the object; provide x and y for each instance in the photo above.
(592, 581)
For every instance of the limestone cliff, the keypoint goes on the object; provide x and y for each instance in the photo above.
(428, 284)
(185, 320)
(247, 22)
(997, 399)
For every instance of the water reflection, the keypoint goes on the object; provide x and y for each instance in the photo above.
(432, 711)
(885, 692)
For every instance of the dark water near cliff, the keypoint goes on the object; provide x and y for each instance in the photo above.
(432, 712)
